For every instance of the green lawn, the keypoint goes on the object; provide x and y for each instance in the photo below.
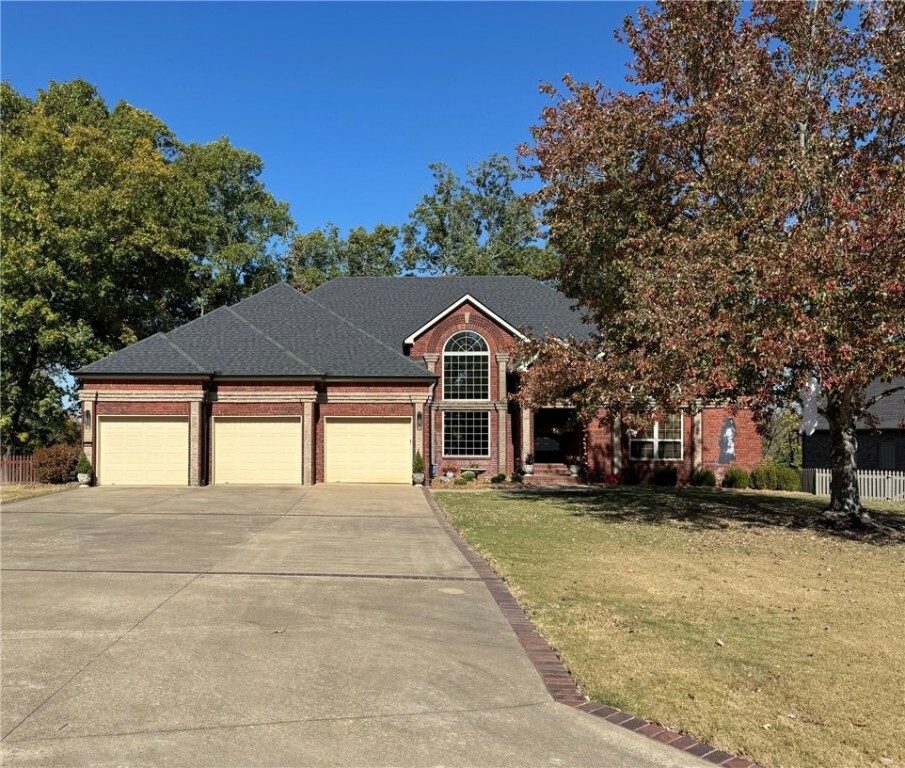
(731, 615)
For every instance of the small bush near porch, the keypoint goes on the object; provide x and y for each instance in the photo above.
(731, 615)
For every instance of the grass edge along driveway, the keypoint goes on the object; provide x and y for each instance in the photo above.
(731, 615)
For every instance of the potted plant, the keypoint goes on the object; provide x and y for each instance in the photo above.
(418, 469)
(574, 463)
(450, 471)
(528, 464)
(83, 471)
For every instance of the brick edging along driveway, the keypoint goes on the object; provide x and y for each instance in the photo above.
(556, 677)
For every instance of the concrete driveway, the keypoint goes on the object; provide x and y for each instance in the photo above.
(237, 626)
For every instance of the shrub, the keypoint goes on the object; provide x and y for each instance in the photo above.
(468, 476)
(787, 479)
(630, 476)
(500, 478)
(418, 464)
(665, 475)
(460, 481)
(764, 477)
(515, 477)
(83, 467)
(704, 477)
(56, 463)
(735, 477)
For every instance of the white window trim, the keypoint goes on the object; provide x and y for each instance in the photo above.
(477, 305)
(656, 442)
(457, 456)
(486, 354)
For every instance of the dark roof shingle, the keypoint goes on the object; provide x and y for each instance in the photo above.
(349, 327)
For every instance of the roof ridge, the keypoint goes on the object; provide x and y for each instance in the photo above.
(272, 340)
(182, 352)
(361, 330)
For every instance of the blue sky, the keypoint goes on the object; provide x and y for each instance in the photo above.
(345, 103)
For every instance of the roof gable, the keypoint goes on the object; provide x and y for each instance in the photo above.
(393, 308)
(466, 299)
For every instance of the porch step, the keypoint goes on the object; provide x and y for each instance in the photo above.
(551, 474)
(537, 479)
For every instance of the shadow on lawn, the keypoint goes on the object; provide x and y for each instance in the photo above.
(716, 509)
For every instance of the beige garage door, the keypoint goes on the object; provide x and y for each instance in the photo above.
(143, 450)
(258, 451)
(368, 450)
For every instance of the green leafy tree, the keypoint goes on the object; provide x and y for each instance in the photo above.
(95, 244)
(479, 226)
(243, 227)
(318, 256)
(736, 225)
(781, 441)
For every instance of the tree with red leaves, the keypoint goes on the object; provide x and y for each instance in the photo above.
(735, 225)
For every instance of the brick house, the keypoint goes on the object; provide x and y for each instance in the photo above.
(348, 382)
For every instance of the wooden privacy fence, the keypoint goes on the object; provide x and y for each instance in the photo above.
(885, 484)
(17, 469)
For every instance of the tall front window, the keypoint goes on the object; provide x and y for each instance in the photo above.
(466, 367)
(466, 433)
(662, 441)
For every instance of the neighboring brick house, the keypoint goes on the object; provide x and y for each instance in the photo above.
(879, 448)
(346, 383)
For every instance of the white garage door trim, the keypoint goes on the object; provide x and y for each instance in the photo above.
(179, 471)
(400, 475)
(293, 468)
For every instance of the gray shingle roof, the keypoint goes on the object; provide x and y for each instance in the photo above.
(351, 327)
(393, 307)
(890, 410)
(277, 332)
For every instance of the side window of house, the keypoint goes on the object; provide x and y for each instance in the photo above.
(466, 367)
(662, 441)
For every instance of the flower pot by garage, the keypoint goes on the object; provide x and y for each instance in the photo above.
(529, 469)
(417, 478)
(574, 469)
(84, 479)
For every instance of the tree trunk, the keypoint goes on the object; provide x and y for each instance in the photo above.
(842, 415)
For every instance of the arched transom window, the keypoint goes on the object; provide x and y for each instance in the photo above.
(466, 367)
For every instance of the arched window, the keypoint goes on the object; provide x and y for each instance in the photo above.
(466, 367)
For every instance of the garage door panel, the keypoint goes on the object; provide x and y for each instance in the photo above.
(139, 450)
(368, 450)
(258, 451)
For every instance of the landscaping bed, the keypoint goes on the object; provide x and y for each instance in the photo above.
(734, 616)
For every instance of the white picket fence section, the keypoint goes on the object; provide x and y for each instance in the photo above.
(884, 484)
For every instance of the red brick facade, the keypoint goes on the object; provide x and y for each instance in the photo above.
(725, 439)
(509, 439)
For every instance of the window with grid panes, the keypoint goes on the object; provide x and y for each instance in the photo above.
(466, 367)
(661, 442)
(466, 433)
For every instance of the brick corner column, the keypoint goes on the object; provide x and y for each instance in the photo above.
(502, 360)
(697, 437)
(617, 443)
(195, 442)
(308, 443)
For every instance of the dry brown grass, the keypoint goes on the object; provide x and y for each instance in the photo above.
(732, 616)
(10, 492)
